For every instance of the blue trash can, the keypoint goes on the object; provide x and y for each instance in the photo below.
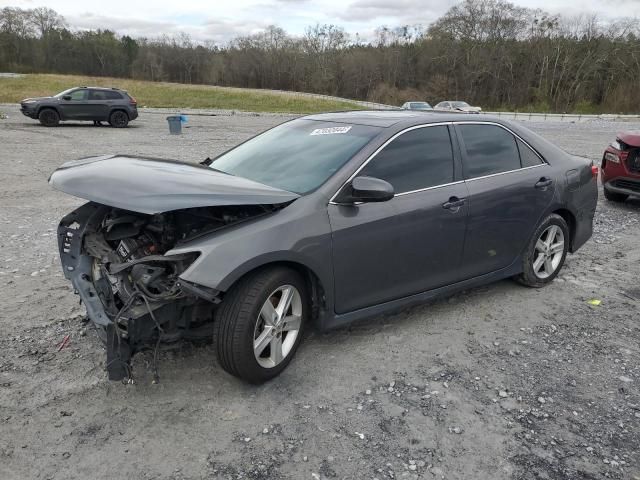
(175, 124)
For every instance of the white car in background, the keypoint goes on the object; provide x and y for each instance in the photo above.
(456, 106)
(416, 106)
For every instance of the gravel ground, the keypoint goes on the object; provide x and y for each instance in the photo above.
(499, 382)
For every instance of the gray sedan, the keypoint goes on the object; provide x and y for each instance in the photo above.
(328, 219)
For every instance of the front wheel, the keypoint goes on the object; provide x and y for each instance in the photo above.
(260, 322)
(546, 252)
(49, 117)
(119, 119)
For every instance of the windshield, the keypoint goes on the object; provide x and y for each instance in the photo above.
(459, 104)
(297, 156)
(420, 106)
(66, 92)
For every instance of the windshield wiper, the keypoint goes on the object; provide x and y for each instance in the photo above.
(207, 163)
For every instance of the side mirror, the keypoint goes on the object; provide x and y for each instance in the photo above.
(67, 97)
(366, 190)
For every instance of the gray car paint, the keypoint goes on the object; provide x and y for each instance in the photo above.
(278, 238)
(318, 235)
(148, 185)
(80, 109)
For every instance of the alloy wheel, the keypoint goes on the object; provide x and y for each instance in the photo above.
(549, 251)
(119, 119)
(48, 117)
(277, 326)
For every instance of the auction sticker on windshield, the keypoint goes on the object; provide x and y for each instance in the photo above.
(330, 130)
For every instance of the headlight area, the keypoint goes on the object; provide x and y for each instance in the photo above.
(118, 265)
(149, 305)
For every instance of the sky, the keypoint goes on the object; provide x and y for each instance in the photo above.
(219, 21)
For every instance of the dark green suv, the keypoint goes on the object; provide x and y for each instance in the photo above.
(83, 103)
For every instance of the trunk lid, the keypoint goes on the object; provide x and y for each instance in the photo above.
(149, 185)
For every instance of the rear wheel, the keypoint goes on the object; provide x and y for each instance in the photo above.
(260, 323)
(118, 119)
(615, 197)
(546, 252)
(49, 117)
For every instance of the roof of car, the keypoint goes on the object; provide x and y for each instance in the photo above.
(103, 88)
(388, 118)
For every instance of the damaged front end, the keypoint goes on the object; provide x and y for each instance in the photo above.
(116, 260)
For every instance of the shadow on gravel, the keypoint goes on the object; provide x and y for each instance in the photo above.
(36, 125)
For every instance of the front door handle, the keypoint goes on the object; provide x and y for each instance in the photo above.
(544, 182)
(454, 204)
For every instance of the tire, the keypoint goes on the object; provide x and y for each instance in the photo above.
(49, 117)
(119, 119)
(615, 197)
(542, 262)
(247, 346)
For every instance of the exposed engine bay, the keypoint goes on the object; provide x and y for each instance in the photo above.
(116, 260)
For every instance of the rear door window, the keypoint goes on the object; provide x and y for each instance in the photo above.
(418, 159)
(489, 150)
(97, 95)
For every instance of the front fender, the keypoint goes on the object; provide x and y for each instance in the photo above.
(51, 106)
(289, 235)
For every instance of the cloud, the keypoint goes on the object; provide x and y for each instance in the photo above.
(124, 26)
(405, 11)
(224, 30)
(221, 21)
(212, 29)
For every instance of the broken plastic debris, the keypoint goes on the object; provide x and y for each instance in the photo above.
(64, 342)
(595, 302)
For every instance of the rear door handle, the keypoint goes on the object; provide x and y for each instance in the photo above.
(544, 182)
(453, 204)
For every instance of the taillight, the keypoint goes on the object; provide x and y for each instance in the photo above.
(132, 101)
(594, 171)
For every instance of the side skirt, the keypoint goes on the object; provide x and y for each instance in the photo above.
(345, 319)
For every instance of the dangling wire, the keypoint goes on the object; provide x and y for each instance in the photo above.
(156, 377)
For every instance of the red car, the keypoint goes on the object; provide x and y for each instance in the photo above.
(621, 167)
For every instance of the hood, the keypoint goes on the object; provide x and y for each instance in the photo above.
(36, 99)
(149, 185)
(630, 138)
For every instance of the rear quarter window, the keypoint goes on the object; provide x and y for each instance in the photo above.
(528, 158)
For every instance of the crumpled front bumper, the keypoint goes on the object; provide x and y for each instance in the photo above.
(76, 266)
(134, 327)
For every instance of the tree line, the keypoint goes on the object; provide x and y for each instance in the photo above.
(487, 52)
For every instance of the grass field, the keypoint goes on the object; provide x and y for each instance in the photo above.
(156, 94)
